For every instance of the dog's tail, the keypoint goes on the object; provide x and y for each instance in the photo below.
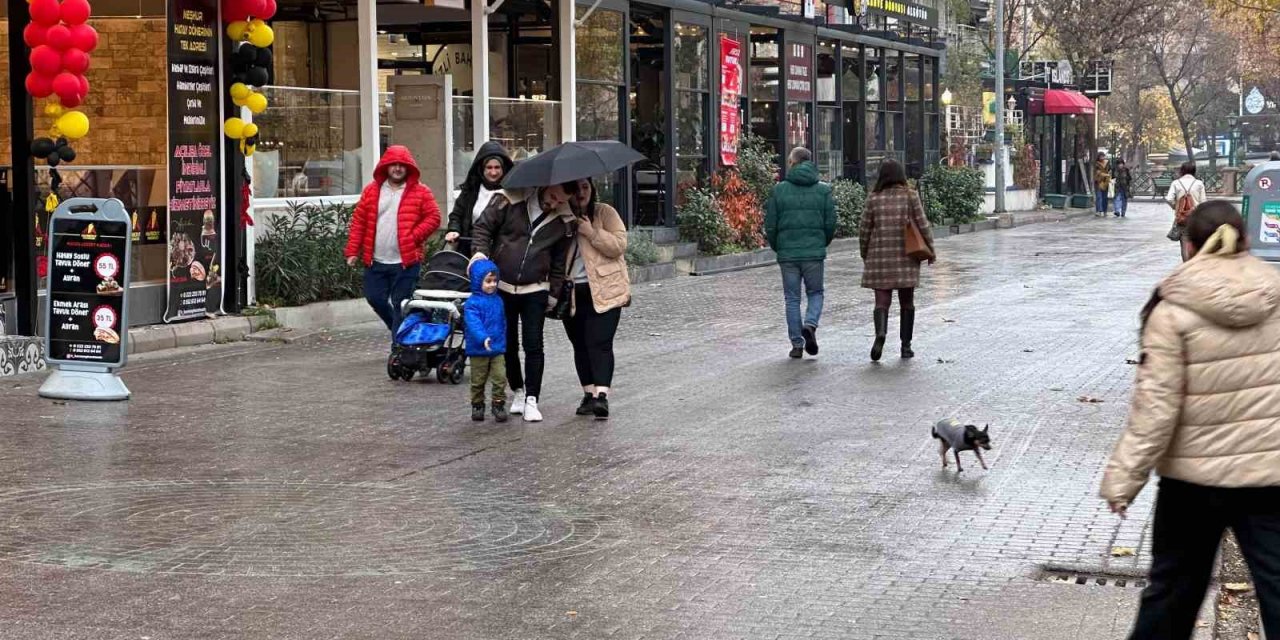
(934, 431)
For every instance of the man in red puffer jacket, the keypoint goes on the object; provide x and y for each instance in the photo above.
(395, 216)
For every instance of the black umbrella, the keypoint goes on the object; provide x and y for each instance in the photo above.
(571, 161)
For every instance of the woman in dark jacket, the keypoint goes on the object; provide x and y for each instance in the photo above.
(483, 181)
(882, 236)
(527, 232)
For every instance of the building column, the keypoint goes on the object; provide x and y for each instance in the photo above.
(567, 13)
(480, 70)
(370, 100)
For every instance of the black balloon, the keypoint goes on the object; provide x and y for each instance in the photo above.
(258, 77)
(53, 159)
(240, 77)
(67, 154)
(264, 57)
(42, 147)
(247, 54)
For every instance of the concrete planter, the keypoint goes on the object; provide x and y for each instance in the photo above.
(707, 265)
(652, 272)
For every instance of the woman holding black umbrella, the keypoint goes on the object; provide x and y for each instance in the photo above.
(597, 266)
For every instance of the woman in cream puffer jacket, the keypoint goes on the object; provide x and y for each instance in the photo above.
(1206, 417)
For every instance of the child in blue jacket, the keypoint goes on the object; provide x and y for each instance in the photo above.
(486, 340)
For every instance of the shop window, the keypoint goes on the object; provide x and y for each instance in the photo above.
(600, 57)
(693, 100)
(766, 84)
(829, 140)
(914, 115)
(648, 108)
(932, 139)
(852, 86)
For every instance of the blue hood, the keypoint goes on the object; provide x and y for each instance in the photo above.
(480, 269)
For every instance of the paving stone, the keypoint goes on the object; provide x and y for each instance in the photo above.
(293, 491)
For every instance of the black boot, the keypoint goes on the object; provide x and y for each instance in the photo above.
(908, 326)
(477, 412)
(499, 411)
(881, 317)
(588, 406)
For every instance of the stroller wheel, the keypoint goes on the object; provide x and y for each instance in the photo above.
(393, 368)
(455, 372)
(406, 373)
(442, 372)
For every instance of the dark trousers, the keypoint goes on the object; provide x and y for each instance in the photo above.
(526, 316)
(592, 336)
(386, 286)
(1189, 522)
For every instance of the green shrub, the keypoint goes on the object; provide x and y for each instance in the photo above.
(952, 194)
(851, 199)
(299, 261)
(641, 250)
(700, 221)
(757, 165)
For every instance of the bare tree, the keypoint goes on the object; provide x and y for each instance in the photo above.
(1195, 62)
(1089, 29)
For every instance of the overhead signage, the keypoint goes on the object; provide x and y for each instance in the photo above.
(900, 9)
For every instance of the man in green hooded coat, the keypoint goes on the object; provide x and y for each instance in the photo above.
(799, 223)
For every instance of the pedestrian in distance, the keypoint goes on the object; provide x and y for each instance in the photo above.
(1206, 418)
(1184, 195)
(799, 223)
(394, 217)
(485, 338)
(1101, 185)
(527, 232)
(882, 237)
(1123, 180)
(601, 288)
(483, 181)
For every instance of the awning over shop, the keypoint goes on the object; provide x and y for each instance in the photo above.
(1063, 102)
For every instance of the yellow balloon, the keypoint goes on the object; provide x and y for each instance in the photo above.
(237, 30)
(53, 109)
(237, 102)
(257, 103)
(234, 127)
(250, 130)
(73, 124)
(261, 35)
(240, 91)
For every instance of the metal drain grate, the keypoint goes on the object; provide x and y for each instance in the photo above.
(1067, 576)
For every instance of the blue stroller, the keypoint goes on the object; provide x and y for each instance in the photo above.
(430, 336)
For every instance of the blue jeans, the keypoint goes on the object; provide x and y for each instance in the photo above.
(1122, 202)
(1100, 200)
(386, 286)
(809, 273)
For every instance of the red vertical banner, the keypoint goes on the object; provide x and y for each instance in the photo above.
(730, 90)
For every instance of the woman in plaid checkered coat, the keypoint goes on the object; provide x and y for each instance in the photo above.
(882, 235)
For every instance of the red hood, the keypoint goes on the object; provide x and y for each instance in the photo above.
(396, 154)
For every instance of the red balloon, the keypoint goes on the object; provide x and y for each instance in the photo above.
(67, 86)
(59, 37)
(237, 10)
(34, 34)
(84, 86)
(39, 86)
(46, 61)
(45, 12)
(268, 9)
(75, 11)
(84, 38)
(75, 61)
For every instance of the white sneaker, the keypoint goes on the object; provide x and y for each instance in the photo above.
(517, 402)
(531, 413)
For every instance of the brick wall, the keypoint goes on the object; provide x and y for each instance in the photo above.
(126, 103)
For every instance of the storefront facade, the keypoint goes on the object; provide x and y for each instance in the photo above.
(675, 79)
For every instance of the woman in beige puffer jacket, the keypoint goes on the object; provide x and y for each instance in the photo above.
(1206, 417)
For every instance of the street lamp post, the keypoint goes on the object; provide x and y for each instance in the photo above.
(999, 208)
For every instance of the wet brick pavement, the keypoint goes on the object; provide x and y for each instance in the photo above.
(261, 491)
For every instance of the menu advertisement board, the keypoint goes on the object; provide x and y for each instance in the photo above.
(195, 244)
(87, 261)
(730, 90)
(800, 73)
